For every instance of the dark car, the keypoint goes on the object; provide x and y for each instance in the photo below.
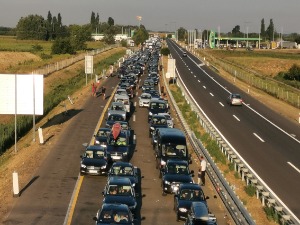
(185, 196)
(184, 54)
(94, 161)
(199, 215)
(114, 214)
(126, 169)
(120, 190)
(118, 149)
(157, 121)
(154, 76)
(112, 118)
(101, 136)
(157, 106)
(175, 173)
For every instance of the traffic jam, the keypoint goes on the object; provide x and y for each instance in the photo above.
(114, 142)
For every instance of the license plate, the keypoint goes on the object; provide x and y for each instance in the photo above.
(93, 171)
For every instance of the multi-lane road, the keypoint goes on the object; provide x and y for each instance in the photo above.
(58, 195)
(268, 142)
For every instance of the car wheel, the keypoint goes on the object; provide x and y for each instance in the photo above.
(177, 217)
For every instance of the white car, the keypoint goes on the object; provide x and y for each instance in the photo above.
(144, 100)
(168, 118)
(119, 92)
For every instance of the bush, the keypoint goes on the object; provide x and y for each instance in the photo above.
(250, 190)
(165, 51)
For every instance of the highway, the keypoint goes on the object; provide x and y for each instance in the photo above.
(267, 141)
(58, 195)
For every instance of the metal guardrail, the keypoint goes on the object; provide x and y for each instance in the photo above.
(233, 204)
(48, 69)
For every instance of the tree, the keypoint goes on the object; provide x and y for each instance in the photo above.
(181, 34)
(270, 32)
(32, 27)
(110, 21)
(262, 29)
(236, 31)
(62, 46)
(293, 73)
(140, 36)
(78, 36)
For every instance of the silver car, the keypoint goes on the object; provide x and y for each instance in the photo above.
(144, 100)
(117, 108)
(235, 99)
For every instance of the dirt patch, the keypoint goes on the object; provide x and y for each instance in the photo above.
(10, 59)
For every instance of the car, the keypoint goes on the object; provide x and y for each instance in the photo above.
(235, 99)
(112, 118)
(144, 100)
(168, 118)
(157, 106)
(199, 214)
(120, 190)
(101, 136)
(114, 214)
(126, 169)
(184, 54)
(157, 121)
(94, 161)
(175, 173)
(117, 108)
(154, 76)
(119, 92)
(118, 149)
(185, 196)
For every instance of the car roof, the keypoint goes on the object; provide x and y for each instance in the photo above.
(119, 180)
(177, 161)
(94, 147)
(115, 206)
(171, 131)
(189, 186)
(120, 163)
(199, 210)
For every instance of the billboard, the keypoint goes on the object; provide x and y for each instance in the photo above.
(22, 94)
(89, 64)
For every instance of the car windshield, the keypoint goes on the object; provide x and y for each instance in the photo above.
(155, 105)
(120, 141)
(120, 190)
(236, 96)
(115, 118)
(174, 150)
(177, 169)
(159, 120)
(103, 133)
(94, 154)
(193, 195)
(122, 171)
(114, 217)
(145, 96)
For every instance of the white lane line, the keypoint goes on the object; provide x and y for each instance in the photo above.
(134, 104)
(195, 76)
(293, 167)
(204, 87)
(236, 118)
(191, 72)
(133, 118)
(262, 140)
(211, 94)
(221, 104)
(199, 81)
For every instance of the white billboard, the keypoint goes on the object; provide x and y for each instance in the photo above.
(22, 94)
(171, 67)
(89, 64)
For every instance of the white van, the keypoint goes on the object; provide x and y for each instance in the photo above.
(125, 100)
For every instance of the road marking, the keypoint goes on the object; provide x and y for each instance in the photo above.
(204, 87)
(211, 94)
(293, 167)
(195, 76)
(199, 81)
(134, 104)
(262, 140)
(133, 118)
(72, 204)
(236, 117)
(221, 104)
(191, 72)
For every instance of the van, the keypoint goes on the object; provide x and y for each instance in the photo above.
(170, 144)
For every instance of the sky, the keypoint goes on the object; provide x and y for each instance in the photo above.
(164, 15)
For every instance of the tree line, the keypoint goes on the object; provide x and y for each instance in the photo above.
(69, 39)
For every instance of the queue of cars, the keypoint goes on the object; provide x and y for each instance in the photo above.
(112, 150)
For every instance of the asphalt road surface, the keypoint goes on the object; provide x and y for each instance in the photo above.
(268, 142)
(47, 198)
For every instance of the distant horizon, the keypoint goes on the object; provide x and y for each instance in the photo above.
(164, 15)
